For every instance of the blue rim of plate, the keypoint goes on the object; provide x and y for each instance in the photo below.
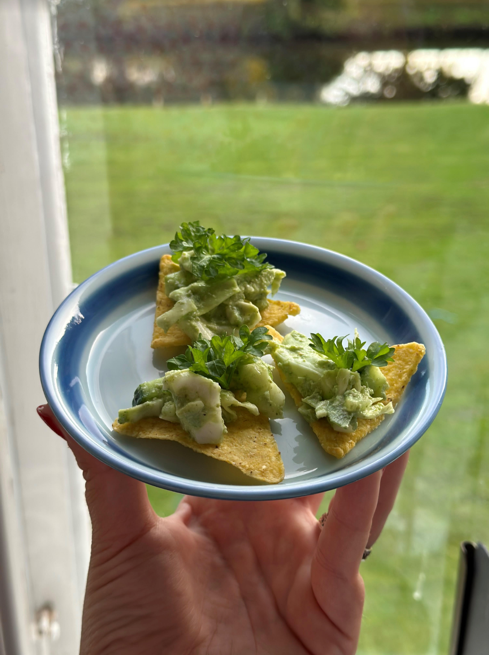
(66, 317)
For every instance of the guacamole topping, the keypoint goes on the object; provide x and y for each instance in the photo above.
(223, 283)
(205, 385)
(328, 388)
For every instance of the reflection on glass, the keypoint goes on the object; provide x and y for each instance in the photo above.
(387, 74)
(183, 110)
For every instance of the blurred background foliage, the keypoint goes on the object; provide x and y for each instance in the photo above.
(174, 51)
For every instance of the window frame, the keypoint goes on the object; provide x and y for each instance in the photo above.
(44, 526)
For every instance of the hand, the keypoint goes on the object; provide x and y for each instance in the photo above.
(225, 577)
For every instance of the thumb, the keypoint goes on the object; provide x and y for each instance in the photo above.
(119, 507)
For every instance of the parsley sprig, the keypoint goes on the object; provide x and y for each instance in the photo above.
(354, 356)
(217, 257)
(219, 357)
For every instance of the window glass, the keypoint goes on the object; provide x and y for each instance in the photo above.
(362, 128)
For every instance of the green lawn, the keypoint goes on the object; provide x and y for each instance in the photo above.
(403, 188)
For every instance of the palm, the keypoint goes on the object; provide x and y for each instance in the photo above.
(223, 577)
(262, 553)
(235, 577)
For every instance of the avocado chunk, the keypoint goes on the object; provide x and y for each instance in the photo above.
(255, 287)
(181, 278)
(242, 312)
(229, 400)
(373, 377)
(149, 391)
(377, 409)
(169, 412)
(307, 412)
(256, 379)
(357, 401)
(144, 410)
(334, 410)
(301, 365)
(196, 299)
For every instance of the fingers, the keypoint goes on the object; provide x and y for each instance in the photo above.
(389, 486)
(85, 461)
(119, 507)
(47, 416)
(335, 579)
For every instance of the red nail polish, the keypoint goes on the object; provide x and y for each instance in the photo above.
(46, 414)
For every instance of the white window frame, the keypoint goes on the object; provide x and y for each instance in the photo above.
(44, 527)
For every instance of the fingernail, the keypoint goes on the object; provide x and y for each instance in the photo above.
(46, 414)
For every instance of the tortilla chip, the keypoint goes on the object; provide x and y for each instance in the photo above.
(276, 312)
(398, 373)
(248, 445)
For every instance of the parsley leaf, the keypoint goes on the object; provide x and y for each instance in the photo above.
(218, 358)
(217, 257)
(354, 356)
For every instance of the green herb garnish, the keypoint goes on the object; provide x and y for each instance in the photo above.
(354, 356)
(219, 357)
(217, 257)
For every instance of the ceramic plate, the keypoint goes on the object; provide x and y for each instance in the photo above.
(96, 350)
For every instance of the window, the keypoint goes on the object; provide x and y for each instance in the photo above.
(361, 130)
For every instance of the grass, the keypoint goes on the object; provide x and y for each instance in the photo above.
(403, 188)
